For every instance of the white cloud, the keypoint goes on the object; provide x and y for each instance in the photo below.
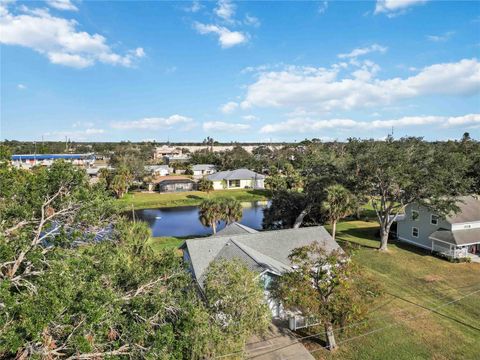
(440, 38)
(74, 135)
(322, 8)
(21, 86)
(225, 9)
(363, 51)
(226, 37)
(62, 5)
(221, 126)
(395, 7)
(59, 40)
(249, 117)
(194, 7)
(81, 124)
(252, 20)
(307, 125)
(229, 107)
(155, 123)
(322, 89)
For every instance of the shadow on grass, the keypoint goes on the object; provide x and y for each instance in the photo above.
(410, 248)
(261, 192)
(194, 197)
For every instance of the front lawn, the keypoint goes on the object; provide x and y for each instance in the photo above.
(400, 329)
(144, 200)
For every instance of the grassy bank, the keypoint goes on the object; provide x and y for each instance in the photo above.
(141, 200)
(411, 278)
(398, 326)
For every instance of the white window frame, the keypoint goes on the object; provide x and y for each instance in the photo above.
(418, 232)
(436, 219)
(418, 215)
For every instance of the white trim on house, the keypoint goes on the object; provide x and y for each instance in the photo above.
(415, 218)
(466, 225)
(418, 231)
(414, 243)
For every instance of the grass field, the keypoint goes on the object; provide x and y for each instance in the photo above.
(400, 329)
(398, 326)
(141, 200)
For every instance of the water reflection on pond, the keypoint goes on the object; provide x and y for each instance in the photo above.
(183, 220)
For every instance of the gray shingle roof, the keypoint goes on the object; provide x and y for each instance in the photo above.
(268, 249)
(469, 210)
(200, 167)
(457, 237)
(235, 228)
(239, 174)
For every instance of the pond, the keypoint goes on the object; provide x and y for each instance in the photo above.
(183, 220)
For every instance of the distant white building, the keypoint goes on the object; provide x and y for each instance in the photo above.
(158, 170)
(29, 160)
(237, 179)
(165, 150)
(200, 170)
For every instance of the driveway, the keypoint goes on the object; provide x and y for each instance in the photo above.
(278, 344)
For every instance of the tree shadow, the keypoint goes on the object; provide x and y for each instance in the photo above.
(195, 197)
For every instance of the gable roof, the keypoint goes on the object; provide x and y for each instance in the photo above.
(238, 174)
(469, 210)
(457, 237)
(235, 228)
(260, 251)
(200, 167)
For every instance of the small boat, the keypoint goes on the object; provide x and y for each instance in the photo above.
(158, 217)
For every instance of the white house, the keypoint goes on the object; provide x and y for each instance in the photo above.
(158, 170)
(455, 236)
(237, 179)
(200, 170)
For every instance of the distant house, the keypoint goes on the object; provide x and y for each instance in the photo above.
(455, 236)
(174, 183)
(237, 179)
(200, 170)
(166, 150)
(265, 252)
(158, 170)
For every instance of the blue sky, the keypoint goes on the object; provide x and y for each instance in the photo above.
(239, 71)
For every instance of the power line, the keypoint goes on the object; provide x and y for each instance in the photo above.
(375, 330)
(354, 324)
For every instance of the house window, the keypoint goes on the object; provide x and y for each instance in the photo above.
(415, 232)
(415, 215)
(434, 219)
(233, 183)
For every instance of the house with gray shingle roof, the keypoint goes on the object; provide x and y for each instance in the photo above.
(264, 252)
(200, 170)
(456, 235)
(237, 179)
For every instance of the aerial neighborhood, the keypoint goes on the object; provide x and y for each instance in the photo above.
(286, 225)
(240, 180)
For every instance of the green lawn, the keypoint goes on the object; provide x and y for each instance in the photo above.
(408, 276)
(411, 276)
(160, 243)
(141, 200)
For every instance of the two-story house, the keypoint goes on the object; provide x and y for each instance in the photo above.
(455, 235)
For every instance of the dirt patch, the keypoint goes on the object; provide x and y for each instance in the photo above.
(432, 278)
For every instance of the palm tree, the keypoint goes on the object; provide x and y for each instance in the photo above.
(205, 185)
(232, 210)
(210, 213)
(339, 203)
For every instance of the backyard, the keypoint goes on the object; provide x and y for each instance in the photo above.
(398, 326)
(144, 200)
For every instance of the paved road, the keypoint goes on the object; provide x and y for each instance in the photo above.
(277, 346)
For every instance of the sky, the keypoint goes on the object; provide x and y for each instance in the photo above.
(239, 71)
